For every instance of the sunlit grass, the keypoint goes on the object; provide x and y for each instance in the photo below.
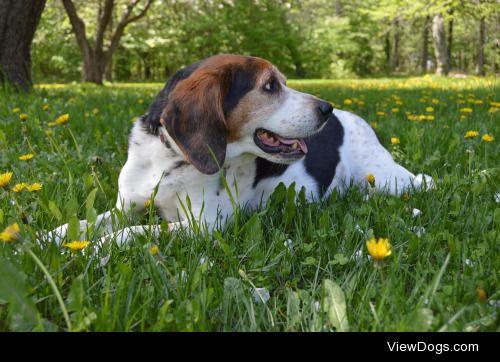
(441, 273)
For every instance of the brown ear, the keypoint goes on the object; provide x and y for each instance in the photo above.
(194, 118)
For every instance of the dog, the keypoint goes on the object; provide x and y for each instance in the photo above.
(233, 118)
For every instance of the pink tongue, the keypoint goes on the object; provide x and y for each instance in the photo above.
(290, 141)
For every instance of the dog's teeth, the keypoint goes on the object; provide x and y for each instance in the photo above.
(294, 146)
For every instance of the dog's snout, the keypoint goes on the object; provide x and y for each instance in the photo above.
(325, 109)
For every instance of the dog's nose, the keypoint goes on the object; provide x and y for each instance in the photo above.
(325, 109)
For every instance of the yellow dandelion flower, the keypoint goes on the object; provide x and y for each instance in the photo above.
(154, 249)
(398, 102)
(5, 179)
(461, 101)
(10, 233)
(347, 101)
(16, 110)
(471, 134)
(466, 110)
(140, 101)
(49, 132)
(430, 118)
(395, 110)
(34, 187)
(493, 109)
(147, 203)
(23, 116)
(45, 107)
(435, 101)
(429, 109)
(19, 187)
(374, 125)
(379, 250)
(395, 140)
(481, 294)
(446, 126)
(76, 245)
(51, 124)
(95, 111)
(381, 114)
(371, 179)
(487, 138)
(495, 104)
(62, 119)
(478, 101)
(86, 114)
(26, 157)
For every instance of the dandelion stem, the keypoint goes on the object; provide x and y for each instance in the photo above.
(53, 285)
(76, 144)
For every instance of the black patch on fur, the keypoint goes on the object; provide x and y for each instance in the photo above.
(323, 153)
(241, 81)
(267, 169)
(151, 120)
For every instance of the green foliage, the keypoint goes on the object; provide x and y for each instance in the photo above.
(313, 38)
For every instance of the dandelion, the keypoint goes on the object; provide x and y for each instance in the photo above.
(379, 250)
(147, 203)
(10, 233)
(395, 140)
(49, 132)
(446, 126)
(478, 101)
(5, 179)
(395, 110)
(347, 101)
(51, 124)
(380, 114)
(23, 116)
(466, 110)
(398, 102)
(487, 138)
(481, 294)
(19, 187)
(62, 119)
(471, 134)
(493, 110)
(16, 110)
(495, 104)
(140, 101)
(430, 118)
(435, 101)
(76, 245)
(429, 109)
(95, 111)
(26, 157)
(45, 107)
(34, 187)
(154, 249)
(374, 125)
(371, 179)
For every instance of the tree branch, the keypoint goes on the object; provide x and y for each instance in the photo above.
(78, 26)
(124, 21)
(103, 24)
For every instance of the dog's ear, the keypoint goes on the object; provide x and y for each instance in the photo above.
(194, 118)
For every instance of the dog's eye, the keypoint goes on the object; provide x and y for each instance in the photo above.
(271, 86)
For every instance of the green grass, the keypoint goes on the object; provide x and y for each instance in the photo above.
(203, 283)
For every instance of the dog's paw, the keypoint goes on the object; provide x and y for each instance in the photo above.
(424, 182)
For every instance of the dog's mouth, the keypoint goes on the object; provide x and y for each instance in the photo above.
(270, 142)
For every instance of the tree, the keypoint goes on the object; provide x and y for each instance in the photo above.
(440, 48)
(96, 58)
(425, 45)
(18, 22)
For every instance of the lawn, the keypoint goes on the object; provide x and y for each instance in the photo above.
(311, 259)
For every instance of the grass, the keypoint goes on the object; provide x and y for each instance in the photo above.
(442, 274)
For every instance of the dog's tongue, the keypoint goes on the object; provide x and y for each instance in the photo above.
(291, 141)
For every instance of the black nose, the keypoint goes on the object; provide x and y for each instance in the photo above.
(325, 109)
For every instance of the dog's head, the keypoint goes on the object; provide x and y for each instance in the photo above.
(229, 104)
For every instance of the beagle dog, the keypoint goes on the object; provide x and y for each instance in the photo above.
(227, 130)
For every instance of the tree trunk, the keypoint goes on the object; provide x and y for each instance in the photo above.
(18, 22)
(450, 38)
(395, 55)
(425, 45)
(440, 48)
(480, 57)
(387, 51)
